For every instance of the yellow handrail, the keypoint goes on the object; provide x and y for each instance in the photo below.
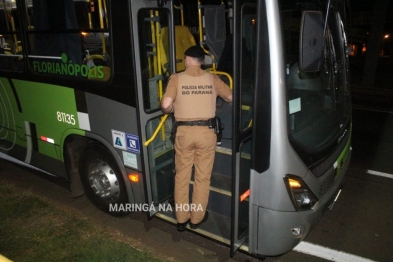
(16, 48)
(89, 16)
(200, 22)
(157, 130)
(159, 56)
(106, 14)
(154, 44)
(102, 26)
(159, 50)
(180, 7)
(225, 74)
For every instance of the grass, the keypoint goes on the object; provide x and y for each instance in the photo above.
(34, 229)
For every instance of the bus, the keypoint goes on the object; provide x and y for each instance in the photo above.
(80, 90)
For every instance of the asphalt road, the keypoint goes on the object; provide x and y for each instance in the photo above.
(359, 228)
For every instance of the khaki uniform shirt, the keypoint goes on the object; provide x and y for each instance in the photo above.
(194, 92)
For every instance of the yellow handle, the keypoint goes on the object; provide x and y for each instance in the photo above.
(157, 130)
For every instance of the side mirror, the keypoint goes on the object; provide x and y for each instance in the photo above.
(311, 41)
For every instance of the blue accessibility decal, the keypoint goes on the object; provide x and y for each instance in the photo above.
(133, 143)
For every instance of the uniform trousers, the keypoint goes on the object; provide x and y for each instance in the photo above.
(194, 146)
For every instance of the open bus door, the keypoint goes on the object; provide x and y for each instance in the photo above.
(244, 44)
(230, 184)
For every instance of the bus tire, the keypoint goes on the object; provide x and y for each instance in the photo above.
(102, 180)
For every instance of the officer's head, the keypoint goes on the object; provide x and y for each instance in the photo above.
(196, 54)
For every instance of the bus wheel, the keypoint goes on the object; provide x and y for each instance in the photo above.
(102, 180)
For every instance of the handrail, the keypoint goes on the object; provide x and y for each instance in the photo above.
(225, 74)
(180, 7)
(160, 90)
(158, 50)
(102, 26)
(157, 130)
(89, 16)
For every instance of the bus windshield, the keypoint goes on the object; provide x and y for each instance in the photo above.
(318, 102)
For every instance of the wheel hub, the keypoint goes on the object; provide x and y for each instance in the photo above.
(103, 181)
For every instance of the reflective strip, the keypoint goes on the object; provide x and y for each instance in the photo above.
(84, 122)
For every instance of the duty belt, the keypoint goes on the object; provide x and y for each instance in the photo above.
(196, 123)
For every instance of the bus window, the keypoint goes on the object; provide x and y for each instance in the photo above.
(248, 55)
(10, 39)
(69, 38)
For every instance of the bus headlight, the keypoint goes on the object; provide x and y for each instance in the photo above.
(301, 196)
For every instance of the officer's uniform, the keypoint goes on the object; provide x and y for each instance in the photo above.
(194, 92)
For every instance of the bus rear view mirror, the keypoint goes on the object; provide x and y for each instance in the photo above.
(311, 41)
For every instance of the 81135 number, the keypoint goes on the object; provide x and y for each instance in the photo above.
(66, 118)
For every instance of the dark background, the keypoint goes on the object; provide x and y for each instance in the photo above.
(370, 33)
(369, 36)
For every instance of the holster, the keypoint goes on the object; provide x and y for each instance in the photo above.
(218, 127)
(174, 129)
(214, 123)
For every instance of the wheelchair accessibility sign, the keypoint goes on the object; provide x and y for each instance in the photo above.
(132, 143)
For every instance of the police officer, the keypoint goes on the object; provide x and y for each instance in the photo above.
(192, 95)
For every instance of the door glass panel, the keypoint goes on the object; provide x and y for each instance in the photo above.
(243, 158)
(161, 164)
(244, 186)
(248, 54)
(10, 40)
(153, 45)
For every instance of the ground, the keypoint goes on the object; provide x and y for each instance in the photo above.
(156, 236)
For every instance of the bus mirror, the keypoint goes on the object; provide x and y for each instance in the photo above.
(311, 41)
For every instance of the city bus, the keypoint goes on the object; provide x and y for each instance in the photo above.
(80, 90)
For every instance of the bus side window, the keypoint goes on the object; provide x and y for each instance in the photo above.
(67, 38)
(248, 54)
(52, 17)
(10, 39)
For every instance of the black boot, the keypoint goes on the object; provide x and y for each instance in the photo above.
(195, 226)
(182, 226)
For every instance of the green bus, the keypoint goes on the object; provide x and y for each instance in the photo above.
(80, 90)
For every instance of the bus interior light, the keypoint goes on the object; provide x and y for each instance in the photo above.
(301, 196)
(133, 177)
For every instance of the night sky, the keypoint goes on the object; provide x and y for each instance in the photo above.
(361, 5)
(365, 5)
